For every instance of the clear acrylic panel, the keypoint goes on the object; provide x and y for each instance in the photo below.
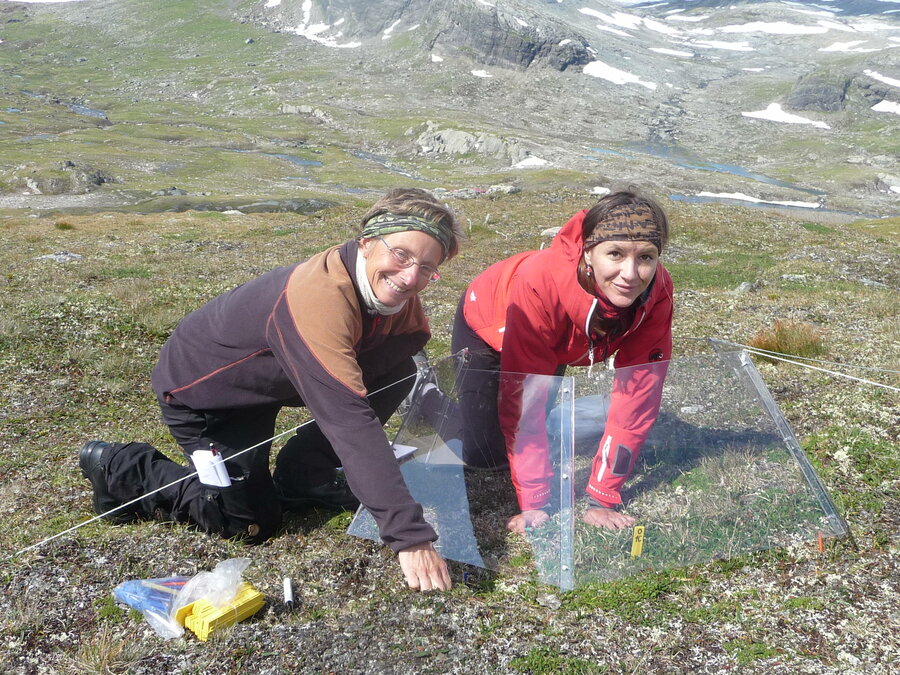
(468, 507)
(719, 474)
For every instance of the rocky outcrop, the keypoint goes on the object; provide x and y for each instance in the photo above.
(456, 142)
(65, 178)
(824, 91)
(871, 91)
(305, 110)
(494, 38)
(662, 127)
(481, 31)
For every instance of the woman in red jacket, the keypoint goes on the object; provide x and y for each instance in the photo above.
(598, 290)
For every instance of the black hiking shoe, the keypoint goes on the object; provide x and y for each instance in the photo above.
(92, 459)
(335, 495)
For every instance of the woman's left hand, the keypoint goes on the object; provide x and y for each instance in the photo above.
(424, 568)
(608, 519)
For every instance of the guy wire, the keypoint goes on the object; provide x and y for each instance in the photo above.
(190, 475)
(778, 357)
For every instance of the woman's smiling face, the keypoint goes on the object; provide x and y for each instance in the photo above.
(391, 282)
(622, 270)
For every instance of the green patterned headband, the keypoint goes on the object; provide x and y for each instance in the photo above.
(389, 223)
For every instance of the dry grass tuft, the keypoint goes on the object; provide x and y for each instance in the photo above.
(790, 337)
(107, 652)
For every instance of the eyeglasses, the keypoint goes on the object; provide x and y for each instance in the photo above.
(404, 260)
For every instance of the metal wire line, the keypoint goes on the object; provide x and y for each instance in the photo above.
(778, 357)
(183, 478)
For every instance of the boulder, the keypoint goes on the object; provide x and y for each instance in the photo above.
(84, 178)
(823, 91)
(457, 142)
(65, 178)
(169, 192)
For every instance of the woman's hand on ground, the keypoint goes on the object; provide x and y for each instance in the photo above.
(607, 518)
(527, 519)
(424, 568)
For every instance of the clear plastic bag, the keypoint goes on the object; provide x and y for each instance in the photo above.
(160, 599)
(153, 598)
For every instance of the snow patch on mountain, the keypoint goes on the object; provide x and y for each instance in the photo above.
(850, 47)
(887, 106)
(315, 31)
(775, 113)
(740, 196)
(875, 75)
(614, 75)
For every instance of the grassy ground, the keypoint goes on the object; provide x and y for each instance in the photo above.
(79, 336)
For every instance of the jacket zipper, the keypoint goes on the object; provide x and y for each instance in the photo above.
(590, 354)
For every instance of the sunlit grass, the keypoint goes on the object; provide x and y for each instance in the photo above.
(108, 651)
(790, 337)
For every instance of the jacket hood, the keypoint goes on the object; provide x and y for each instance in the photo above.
(568, 239)
(566, 249)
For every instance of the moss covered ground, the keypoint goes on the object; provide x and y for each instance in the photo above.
(80, 333)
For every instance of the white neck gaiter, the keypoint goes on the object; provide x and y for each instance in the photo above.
(365, 288)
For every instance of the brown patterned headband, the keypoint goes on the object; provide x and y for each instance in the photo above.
(627, 223)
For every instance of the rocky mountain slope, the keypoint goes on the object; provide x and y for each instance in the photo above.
(788, 102)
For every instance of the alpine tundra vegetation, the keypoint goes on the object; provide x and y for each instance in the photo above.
(154, 155)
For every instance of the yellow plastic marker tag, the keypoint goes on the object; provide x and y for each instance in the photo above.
(637, 542)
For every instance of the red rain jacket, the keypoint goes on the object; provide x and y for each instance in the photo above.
(532, 310)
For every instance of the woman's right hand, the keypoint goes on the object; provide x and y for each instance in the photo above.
(424, 568)
(526, 520)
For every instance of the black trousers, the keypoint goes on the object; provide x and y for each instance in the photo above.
(478, 387)
(249, 507)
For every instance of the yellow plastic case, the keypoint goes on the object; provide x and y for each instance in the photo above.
(203, 618)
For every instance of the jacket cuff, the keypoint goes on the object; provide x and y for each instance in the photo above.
(613, 464)
(604, 497)
(533, 498)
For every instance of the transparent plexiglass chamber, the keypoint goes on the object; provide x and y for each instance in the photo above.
(719, 472)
